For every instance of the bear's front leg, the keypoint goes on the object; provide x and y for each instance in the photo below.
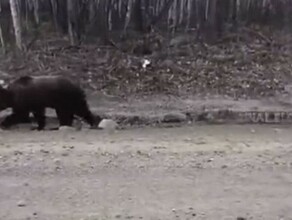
(39, 115)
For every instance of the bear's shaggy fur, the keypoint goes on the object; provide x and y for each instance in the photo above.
(28, 94)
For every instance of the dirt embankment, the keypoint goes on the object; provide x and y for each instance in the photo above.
(184, 80)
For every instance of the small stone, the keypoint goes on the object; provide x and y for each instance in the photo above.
(159, 147)
(57, 161)
(66, 128)
(44, 151)
(78, 125)
(108, 161)
(188, 140)
(65, 154)
(17, 152)
(201, 142)
(21, 204)
(174, 118)
(210, 159)
(243, 145)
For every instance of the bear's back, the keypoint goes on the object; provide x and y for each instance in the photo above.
(46, 91)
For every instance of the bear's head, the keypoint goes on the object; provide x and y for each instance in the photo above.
(5, 98)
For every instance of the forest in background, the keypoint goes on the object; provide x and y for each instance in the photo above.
(84, 19)
(238, 48)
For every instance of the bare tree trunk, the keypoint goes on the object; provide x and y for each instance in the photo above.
(71, 22)
(189, 13)
(2, 41)
(77, 18)
(16, 23)
(139, 16)
(128, 15)
(166, 7)
(211, 33)
(36, 11)
(54, 12)
(234, 15)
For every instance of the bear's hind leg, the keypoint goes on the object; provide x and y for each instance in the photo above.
(65, 117)
(86, 114)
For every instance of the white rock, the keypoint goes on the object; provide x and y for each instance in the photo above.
(252, 131)
(66, 128)
(108, 125)
(145, 63)
(21, 203)
(57, 161)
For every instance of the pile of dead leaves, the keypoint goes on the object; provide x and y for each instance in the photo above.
(237, 69)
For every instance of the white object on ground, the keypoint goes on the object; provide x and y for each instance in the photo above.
(145, 63)
(66, 128)
(108, 124)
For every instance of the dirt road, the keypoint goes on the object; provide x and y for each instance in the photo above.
(198, 172)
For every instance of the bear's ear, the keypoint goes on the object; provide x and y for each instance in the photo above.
(3, 84)
(6, 98)
(3, 92)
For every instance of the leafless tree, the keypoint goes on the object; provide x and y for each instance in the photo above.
(98, 18)
(16, 23)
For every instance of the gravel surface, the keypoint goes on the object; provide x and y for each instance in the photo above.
(196, 172)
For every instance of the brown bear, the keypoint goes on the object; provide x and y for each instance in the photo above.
(28, 94)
